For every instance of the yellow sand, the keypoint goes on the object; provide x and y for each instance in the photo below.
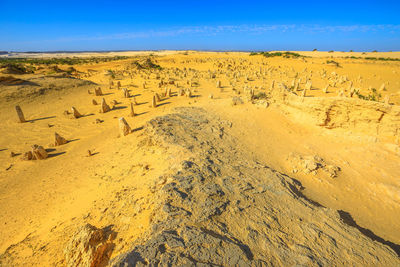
(42, 202)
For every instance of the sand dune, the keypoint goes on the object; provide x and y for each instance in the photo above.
(241, 160)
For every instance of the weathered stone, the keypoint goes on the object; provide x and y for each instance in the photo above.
(236, 101)
(158, 98)
(28, 155)
(39, 152)
(132, 112)
(308, 85)
(126, 93)
(383, 87)
(75, 113)
(124, 127)
(98, 92)
(221, 208)
(104, 106)
(386, 100)
(20, 114)
(89, 246)
(325, 89)
(188, 92)
(304, 93)
(59, 140)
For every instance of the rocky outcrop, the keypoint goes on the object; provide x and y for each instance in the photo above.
(37, 153)
(124, 127)
(312, 164)
(59, 140)
(89, 246)
(20, 114)
(224, 208)
(359, 116)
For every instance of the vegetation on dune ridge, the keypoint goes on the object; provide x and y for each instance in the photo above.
(10, 80)
(333, 62)
(60, 61)
(373, 96)
(296, 55)
(147, 64)
(376, 58)
(260, 95)
(286, 54)
(17, 68)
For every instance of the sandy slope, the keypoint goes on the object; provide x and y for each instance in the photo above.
(44, 202)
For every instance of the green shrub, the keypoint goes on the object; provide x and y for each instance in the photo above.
(279, 54)
(260, 95)
(333, 62)
(60, 61)
(147, 64)
(16, 68)
(373, 96)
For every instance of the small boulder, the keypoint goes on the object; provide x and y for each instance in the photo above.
(59, 140)
(89, 246)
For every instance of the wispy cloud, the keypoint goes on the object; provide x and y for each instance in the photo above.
(231, 29)
(251, 29)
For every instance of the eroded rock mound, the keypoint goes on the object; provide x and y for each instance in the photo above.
(312, 164)
(359, 116)
(223, 208)
(89, 246)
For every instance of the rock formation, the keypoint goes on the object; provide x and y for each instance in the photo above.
(132, 112)
(20, 114)
(59, 140)
(75, 113)
(308, 85)
(222, 208)
(124, 127)
(98, 92)
(126, 93)
(104, 106)
(383, 87)
(37, 153)
(304, 93)
(89, 246)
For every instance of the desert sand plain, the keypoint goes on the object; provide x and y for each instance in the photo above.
(242, 160)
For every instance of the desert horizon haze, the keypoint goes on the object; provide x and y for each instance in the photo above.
(213, 133)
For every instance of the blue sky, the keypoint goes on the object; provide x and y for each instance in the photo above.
(203, 25)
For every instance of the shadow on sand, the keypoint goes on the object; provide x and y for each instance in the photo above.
(348, 219)
(162, 104)
(39, 119)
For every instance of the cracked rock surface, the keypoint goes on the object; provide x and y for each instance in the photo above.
(224, 208)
